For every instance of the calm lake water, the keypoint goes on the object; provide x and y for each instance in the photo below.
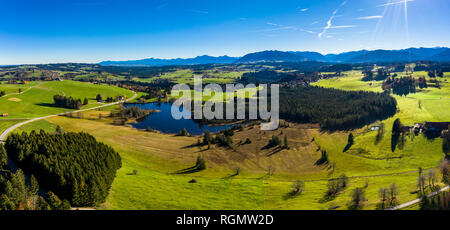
(164, 122)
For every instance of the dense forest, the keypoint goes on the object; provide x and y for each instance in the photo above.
(381, 75)
(142, 72)
(335, 109)
(274, 77)
(267, 76)
(73, 165)
(17, 193)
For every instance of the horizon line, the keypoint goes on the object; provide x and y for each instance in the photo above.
(225, 55)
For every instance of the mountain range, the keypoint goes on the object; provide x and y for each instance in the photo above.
(205, 59)
(362, 56)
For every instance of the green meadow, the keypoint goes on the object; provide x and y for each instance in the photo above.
(369, 163)
(186, 76)
(37, 100)
(155, 187)
(430, 104)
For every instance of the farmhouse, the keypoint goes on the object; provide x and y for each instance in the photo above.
(418, 127)
(5, 114)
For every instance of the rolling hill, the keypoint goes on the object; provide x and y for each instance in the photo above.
(313, 56)
(205, 59)
(384, 56)
(271, 56)
(444, 56)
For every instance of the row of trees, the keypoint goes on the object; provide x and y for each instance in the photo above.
(427, 180)
(388, 196)
(222, 139)
(73, 165)
(130, 112)
(422, 82)
(400, 86)
(438, 73)
(67, 102)
(335, 109)
(382, 74)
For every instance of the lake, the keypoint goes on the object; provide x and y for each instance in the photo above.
(165, 123)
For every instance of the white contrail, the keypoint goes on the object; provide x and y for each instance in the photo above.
(395, 3)
(308, 31)
(277, 28)
(330, 22)
(370, 17)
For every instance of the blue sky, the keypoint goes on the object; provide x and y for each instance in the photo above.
(52, 31)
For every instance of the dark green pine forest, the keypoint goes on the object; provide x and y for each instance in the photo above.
(74, 166)
(335, 109)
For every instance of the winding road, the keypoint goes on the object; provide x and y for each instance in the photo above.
(5, 134)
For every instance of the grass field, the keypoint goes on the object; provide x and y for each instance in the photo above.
(38, 99)
(14, 88)
(186, 76)
(5, 124)
(155, 185)
(209, 95)
(369, 164)
(431, 104)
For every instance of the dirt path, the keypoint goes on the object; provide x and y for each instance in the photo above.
(20, 92)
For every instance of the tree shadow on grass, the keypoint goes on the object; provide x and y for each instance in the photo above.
(191, 146)
(230, 176)
(47, 105)
(347, 147)
(190, 170)
(263, 177)
(327, 198)
(199, 166)
(275, 151)
(321, 162)
(291, 195)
